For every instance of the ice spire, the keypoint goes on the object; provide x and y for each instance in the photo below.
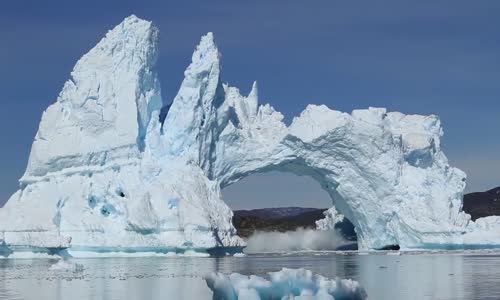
(253, 99)
(105, 105)
(194, 110)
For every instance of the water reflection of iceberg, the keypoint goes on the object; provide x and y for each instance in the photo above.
(450, 275)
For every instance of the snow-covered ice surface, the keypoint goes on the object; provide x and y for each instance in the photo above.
(284, 284)
(106, 175)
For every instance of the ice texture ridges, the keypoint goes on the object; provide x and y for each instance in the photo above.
(106, 174)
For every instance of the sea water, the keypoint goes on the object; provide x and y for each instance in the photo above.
(384, 275)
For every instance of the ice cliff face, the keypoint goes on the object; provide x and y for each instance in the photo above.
(105, 174)
(95, 180)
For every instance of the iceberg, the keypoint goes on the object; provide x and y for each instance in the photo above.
(284, 284)
(110, 170)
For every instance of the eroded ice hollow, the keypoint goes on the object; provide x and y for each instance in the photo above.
(105, 174)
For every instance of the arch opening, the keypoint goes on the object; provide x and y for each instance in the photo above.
(285, 206)
(275, 189)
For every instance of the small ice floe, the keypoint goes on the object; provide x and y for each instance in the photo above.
(67, 266)
(284, 284)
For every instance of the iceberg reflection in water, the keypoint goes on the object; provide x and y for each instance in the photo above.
(449, 275)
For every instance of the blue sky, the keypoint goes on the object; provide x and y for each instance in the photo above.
(425, 57)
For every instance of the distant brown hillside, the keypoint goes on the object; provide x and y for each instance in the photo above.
(283, 219)
(483, 204)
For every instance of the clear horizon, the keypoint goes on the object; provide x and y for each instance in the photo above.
(419, 58)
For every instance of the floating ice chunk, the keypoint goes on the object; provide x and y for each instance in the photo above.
(66, 265)
(284, 284)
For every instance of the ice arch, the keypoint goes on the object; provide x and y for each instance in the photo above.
(384, 171)
(105, 174)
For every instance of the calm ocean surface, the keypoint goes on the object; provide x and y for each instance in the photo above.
(420, 276)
